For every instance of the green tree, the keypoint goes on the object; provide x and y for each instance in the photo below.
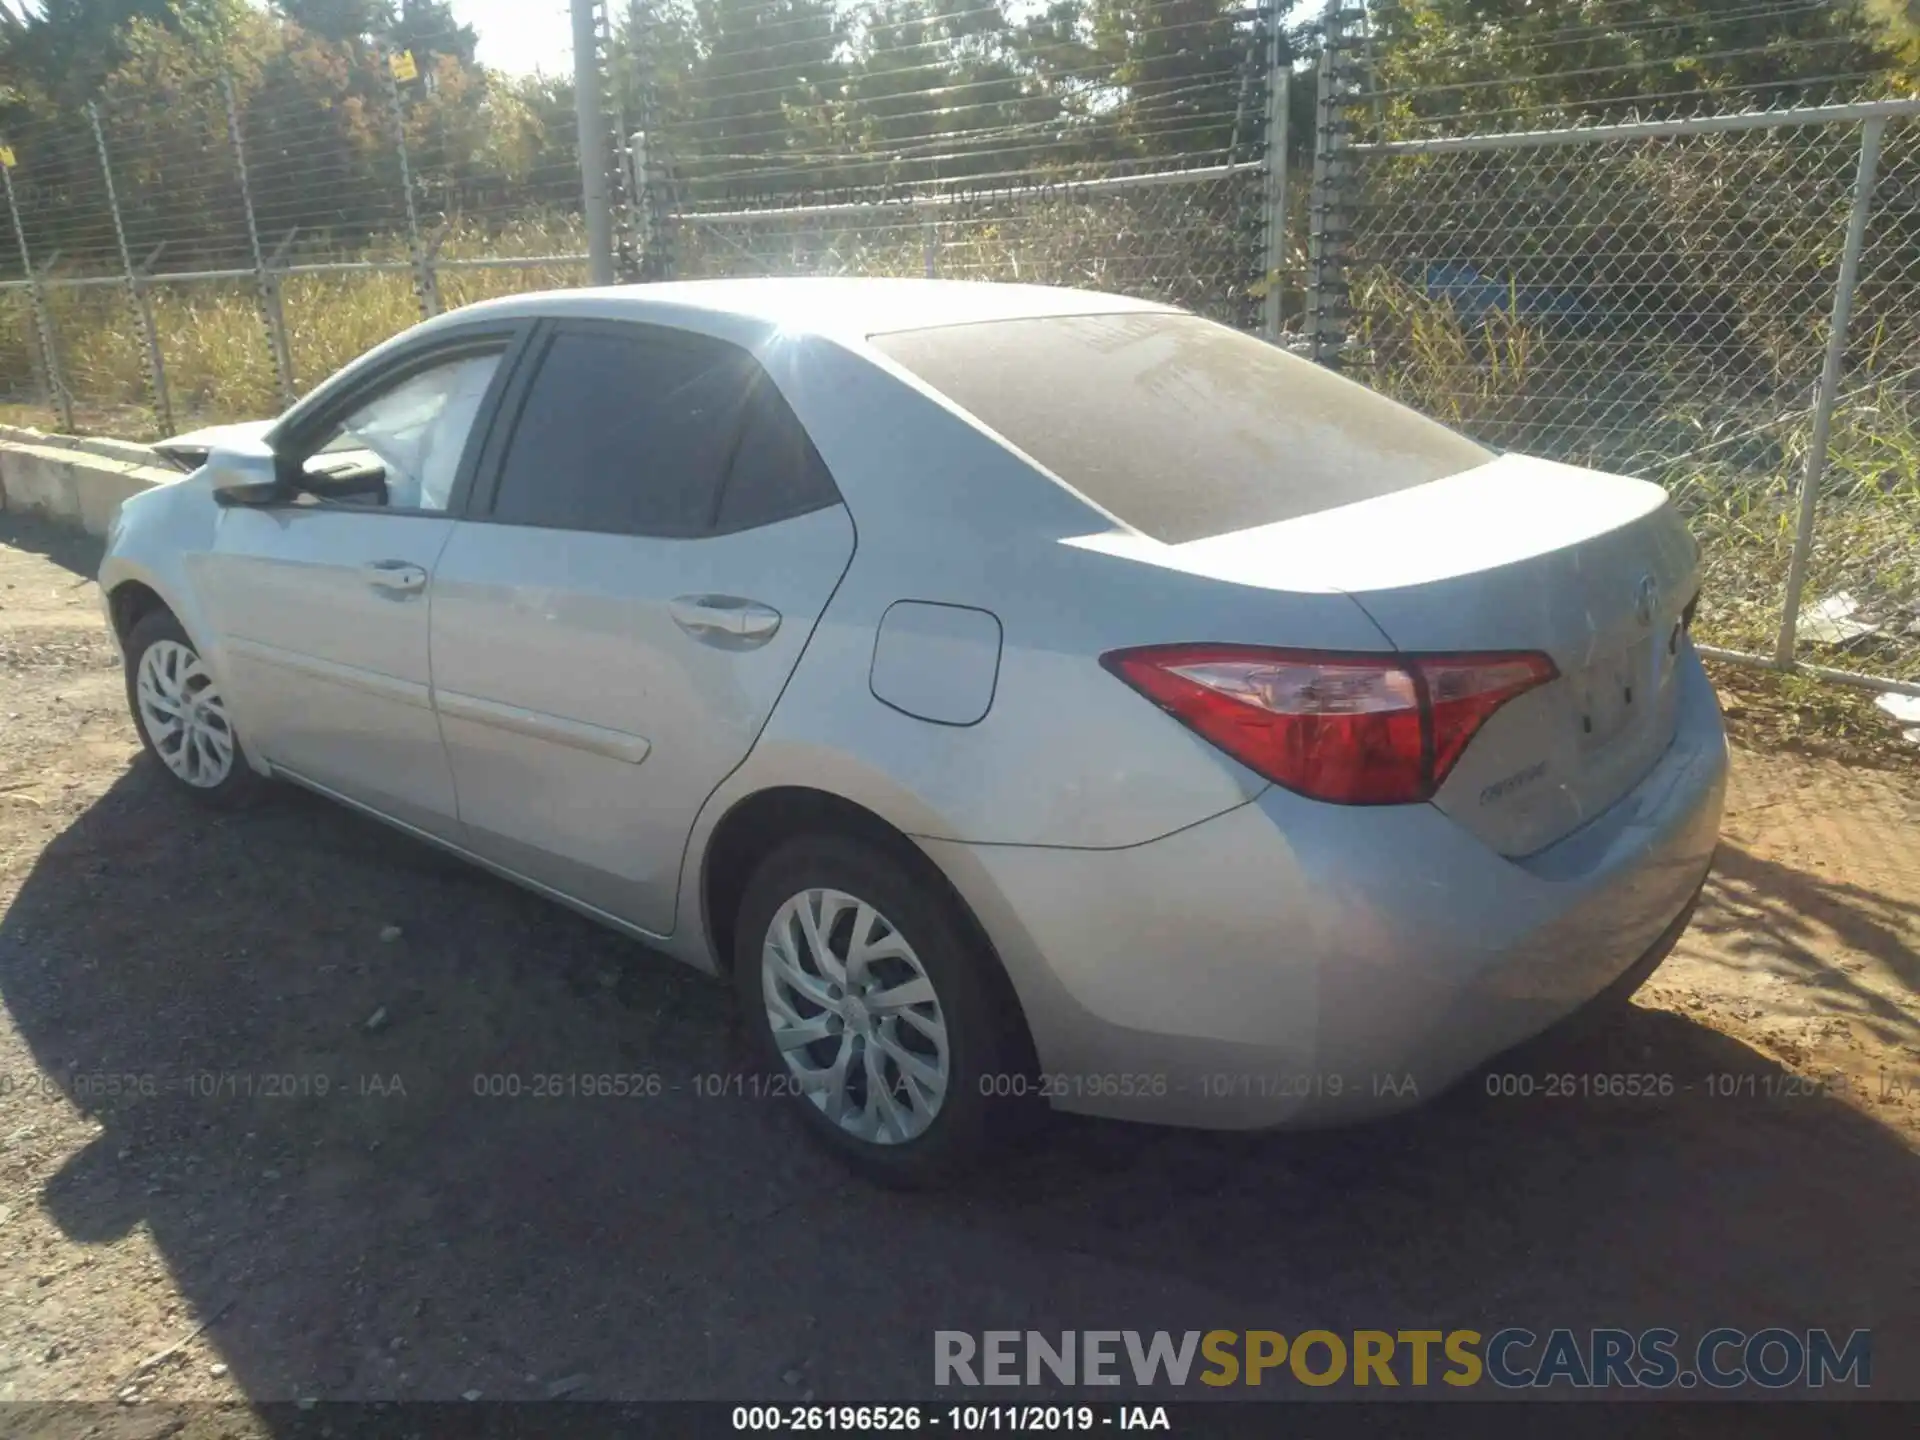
(1181, 64)
(1897, 23)
(765, 66)
(426, 27)
(65, 48)
(1492, 61)
(936, 90)
(338, 21)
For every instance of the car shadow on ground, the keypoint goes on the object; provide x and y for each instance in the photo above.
(443, 1219)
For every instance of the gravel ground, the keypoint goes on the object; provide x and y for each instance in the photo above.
(184, 1217)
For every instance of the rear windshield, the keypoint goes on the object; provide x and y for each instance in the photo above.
(1181, 427)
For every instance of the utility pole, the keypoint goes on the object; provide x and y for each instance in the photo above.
(588, 92)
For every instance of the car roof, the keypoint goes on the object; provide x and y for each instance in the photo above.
(845, 308)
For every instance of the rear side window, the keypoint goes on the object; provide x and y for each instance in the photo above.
(1181, 427)
(775, 473)
(639, 431)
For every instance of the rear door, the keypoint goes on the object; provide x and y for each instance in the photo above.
(651, 544)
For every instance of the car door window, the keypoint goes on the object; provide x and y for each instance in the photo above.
(627, 430)
(775, 472)
(402, 448)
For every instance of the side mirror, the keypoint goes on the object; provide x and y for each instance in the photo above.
(243, 473)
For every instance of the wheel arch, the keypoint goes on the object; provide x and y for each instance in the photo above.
(133, 593)
(129, 602)
(757, 824)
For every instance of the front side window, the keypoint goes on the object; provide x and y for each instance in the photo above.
(403, 447)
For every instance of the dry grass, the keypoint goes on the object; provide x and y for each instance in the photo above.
(1769, 711)
(1731, 452)
(213, 337)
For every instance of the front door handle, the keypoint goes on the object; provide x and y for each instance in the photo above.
(397, 577)
(727, 621)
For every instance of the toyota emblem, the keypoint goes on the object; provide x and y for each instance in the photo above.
(1646, 598)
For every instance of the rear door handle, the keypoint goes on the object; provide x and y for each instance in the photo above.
(727, 621)
(398, 577)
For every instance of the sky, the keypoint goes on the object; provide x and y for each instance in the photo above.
(521, 36)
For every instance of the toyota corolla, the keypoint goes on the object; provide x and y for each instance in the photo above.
(1022, 696)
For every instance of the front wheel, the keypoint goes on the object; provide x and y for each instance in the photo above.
(870, 1002)
(181, 714)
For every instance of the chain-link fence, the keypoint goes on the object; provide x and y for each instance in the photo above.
(1194, 237)
(194, 248)
(189, 250)
(1666, 297)
(985, 175)
(1721, 303)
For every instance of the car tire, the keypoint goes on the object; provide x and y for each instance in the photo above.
(889, 1117)
(182, 716)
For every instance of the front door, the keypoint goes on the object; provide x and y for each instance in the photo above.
(612, 626)
(321, 604)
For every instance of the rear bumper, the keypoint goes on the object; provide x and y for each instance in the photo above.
(1291, 963)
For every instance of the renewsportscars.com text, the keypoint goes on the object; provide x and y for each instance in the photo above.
(1512, 1358)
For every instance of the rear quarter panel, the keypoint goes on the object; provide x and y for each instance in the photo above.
(946, 513)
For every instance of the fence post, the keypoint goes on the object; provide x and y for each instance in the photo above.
(625, 198)
(273, 282)
(1279, 84)
(36, 352)
(142, 312)
(271, 319)
(649, 162)
(57, 395)
(426, 287)
(1863, 185)
(1326, 225)
(588, 93)
(152, 326)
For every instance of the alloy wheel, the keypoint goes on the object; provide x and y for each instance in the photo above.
(855, 1016)
(184, 714)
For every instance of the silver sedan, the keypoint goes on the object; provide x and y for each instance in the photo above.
(1025, 697)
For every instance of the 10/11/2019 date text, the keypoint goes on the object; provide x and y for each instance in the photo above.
(961, 1419)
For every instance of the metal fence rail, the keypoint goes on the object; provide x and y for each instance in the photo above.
(1720, 303)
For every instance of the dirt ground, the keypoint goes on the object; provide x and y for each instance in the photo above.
(178, 1224)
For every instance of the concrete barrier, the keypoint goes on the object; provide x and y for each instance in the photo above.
(79, 479)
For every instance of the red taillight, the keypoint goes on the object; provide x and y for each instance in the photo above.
(1352, 729)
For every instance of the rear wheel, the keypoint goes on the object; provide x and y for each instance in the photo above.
(181, 714)
(868, 1000)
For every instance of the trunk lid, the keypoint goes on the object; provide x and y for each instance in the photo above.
(1596, 570)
